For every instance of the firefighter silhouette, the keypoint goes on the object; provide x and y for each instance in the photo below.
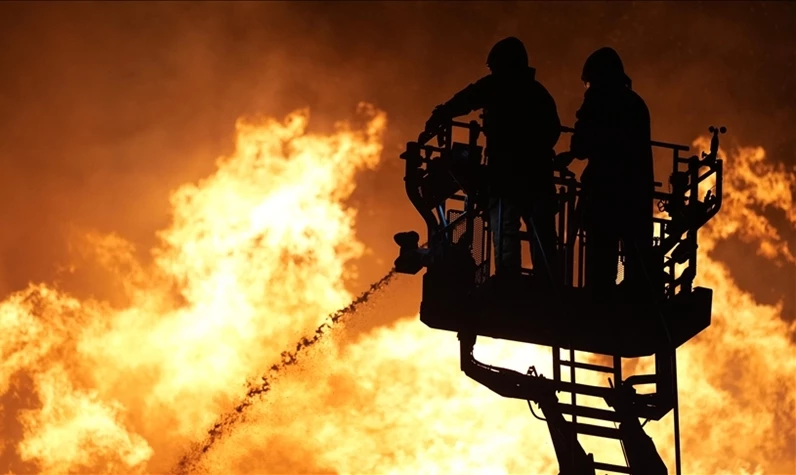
(521, 126)
(612, 131)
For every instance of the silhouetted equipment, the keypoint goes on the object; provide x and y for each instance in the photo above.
(461, 294)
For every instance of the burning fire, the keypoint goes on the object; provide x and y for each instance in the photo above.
(255, 259)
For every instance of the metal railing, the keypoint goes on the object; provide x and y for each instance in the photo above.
(445, 183)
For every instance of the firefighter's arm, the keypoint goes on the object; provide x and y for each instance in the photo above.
(583, 138)
(548, 124)
(462, 103)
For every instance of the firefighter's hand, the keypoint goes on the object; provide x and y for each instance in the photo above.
(434, 122)
(432, 127)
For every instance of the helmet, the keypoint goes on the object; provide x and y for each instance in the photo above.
(605, 66)
(507, 55)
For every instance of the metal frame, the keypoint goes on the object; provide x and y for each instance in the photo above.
(675, 245)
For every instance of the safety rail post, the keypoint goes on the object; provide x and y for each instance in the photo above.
(569, 256)
(562, 220)
(673, 269)
(497, 234)
(573, 394)
(469, 208)
(693, 208)
(557, 364)
(486, 248)
(488, 239)
(581, 251)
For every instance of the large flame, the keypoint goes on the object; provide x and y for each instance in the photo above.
(257, 256)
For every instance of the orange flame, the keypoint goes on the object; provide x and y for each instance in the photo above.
(256, 256)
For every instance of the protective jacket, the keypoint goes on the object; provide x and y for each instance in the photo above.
(613, 131)
(521, 126)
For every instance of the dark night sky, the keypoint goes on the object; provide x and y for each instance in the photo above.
(105, 108)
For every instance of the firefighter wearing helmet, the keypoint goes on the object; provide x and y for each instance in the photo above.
(612, 131)
(521, 126)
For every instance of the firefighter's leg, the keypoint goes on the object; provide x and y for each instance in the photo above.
(505, 216)
(602, 253)
(641, 271)
(541, 224)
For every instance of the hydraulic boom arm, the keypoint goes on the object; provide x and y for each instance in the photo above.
(641, 454)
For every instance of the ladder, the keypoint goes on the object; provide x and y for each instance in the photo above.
(569, 386)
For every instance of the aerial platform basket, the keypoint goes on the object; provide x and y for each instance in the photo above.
(524, 312)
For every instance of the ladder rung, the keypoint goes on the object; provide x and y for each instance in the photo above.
(592, 367)
(597, 431)
(611, 467)
(590, 412)
(585, 389)
(642, 379)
